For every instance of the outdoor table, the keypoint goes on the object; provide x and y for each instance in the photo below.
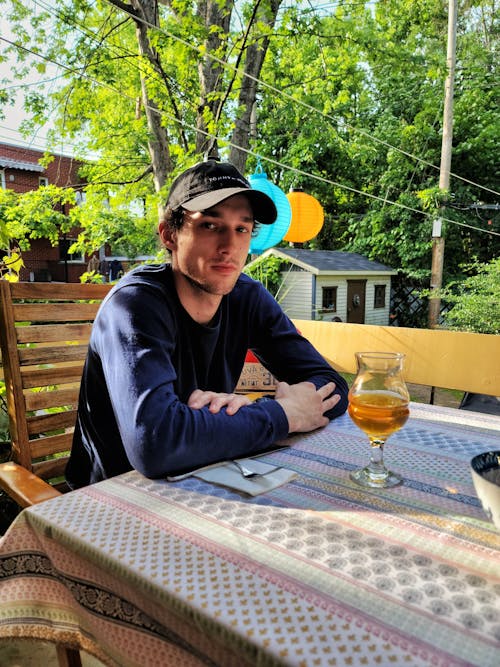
(316, 572)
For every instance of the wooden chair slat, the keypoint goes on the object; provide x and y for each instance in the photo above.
(62, 291)
(54, 468)
(55, 312)
(41, 400)
(30, 356)
(51, 421)
(51, 445)
(47, 333)
(56, 375)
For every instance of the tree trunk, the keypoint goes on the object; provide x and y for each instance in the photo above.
(216, 81)
(158, 145)
(210, 71)
(266, 13)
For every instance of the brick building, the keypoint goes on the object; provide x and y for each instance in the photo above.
(21, 171)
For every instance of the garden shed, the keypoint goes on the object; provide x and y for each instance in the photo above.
(333, 285)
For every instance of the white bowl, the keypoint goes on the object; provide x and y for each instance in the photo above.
(485, 470)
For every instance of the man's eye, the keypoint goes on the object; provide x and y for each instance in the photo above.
(244, 230)
(208, 225)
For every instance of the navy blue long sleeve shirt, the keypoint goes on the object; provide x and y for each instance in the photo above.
(147, 355)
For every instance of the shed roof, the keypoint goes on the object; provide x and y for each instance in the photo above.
(330, 261)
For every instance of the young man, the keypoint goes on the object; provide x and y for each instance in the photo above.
(169, 343)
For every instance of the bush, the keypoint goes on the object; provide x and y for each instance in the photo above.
(475, 303)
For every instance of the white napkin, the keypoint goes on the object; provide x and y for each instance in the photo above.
(227, 474)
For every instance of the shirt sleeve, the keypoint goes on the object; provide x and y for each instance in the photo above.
(134, 340)
(289, 356)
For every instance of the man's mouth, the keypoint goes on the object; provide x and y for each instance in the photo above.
(224, 267)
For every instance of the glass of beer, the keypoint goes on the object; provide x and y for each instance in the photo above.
(378, 405)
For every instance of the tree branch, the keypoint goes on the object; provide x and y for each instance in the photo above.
(145, 173)
(124, 6)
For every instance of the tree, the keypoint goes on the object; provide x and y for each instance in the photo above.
(408, 68)
(267, 270)
(349, 108)
(151, 86)
(35, 214)
(39, 214)
(375, 76)
(315, 61)
(475, 303)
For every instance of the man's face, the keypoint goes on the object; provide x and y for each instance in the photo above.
(210, 249)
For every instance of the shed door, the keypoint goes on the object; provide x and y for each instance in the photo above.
(356, 291)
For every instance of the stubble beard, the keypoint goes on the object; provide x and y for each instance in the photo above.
(207, 288)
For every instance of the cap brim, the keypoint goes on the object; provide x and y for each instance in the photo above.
(263, 207)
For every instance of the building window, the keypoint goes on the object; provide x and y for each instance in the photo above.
(329, 299)
(379, 301)
(80, 197)
(43, 182)
(65, 256)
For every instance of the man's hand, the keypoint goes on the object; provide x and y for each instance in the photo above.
(216, 401)
(304, 405)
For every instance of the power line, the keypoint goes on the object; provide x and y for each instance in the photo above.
(277, 163)
(293, 99)
(282, 93)
(253, 153)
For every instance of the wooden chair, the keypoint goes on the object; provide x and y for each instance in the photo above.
(469, 362)
(44, 333)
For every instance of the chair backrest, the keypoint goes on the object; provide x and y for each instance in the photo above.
(435, 357)
(44, 333)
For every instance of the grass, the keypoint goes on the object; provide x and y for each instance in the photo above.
(449, 398)
(419, 393)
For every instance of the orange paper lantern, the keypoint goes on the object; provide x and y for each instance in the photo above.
(307, 217)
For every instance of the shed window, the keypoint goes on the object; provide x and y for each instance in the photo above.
(43, 182)
(379, 301)
(329, 299)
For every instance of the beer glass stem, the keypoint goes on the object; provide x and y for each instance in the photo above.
(377, 455)
(375, 474)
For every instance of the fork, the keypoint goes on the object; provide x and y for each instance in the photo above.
(247, 473)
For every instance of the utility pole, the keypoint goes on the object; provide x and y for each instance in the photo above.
(445, 167)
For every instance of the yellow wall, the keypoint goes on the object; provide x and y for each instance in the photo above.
(450, 359)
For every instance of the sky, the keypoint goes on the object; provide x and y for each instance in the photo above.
(14, 115)
(9, 126)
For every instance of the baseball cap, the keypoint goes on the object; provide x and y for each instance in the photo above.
(210, 182)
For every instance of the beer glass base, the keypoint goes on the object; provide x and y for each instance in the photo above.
(383, 479)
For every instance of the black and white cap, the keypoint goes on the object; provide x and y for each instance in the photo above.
(210, 182)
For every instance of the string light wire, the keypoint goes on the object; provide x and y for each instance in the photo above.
(291, 98)
(277, 163)
(275, 90)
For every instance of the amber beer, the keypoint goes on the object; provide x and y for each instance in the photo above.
(378, 413)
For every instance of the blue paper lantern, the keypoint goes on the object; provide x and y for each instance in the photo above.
(269, 235)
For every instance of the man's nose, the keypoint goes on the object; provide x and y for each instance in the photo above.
(227, 238)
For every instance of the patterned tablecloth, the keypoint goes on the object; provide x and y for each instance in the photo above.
(316, 572)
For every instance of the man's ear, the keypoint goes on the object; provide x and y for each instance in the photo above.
(167, 236)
